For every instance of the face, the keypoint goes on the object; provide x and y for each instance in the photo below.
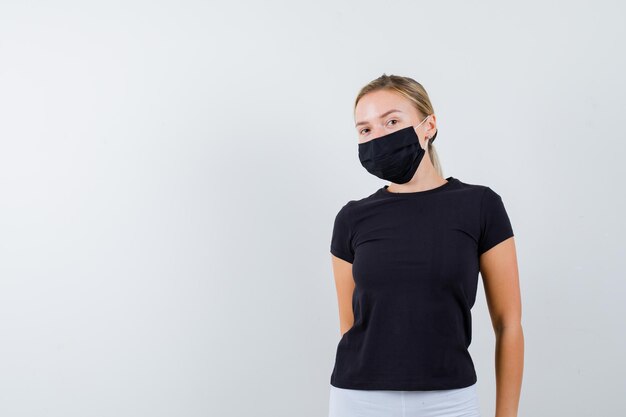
(381, 112)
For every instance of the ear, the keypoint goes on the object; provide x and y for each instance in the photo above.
(431, 125)
(434, 136)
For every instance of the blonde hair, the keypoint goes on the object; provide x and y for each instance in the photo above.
(412, 91)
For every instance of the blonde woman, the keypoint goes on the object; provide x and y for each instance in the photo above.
(406, 261)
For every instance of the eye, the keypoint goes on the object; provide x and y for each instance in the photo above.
(393, 120)
(361, 132)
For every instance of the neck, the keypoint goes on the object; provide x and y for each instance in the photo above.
(425, 178)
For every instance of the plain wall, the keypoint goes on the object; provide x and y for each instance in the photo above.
(170, 172)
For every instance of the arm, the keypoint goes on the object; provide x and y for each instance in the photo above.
(344, 283)
(498, 267)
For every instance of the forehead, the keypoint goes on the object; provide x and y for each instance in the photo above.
(372, 106)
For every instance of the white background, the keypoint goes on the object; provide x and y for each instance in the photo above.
(170, 172)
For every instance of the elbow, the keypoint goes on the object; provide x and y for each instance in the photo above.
(501, 327)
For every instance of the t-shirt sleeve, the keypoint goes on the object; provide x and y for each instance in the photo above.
(495, 225)
(341, 240)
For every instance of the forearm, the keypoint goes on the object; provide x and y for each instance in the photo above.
(509, 362)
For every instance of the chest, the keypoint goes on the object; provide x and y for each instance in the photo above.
(413, 245)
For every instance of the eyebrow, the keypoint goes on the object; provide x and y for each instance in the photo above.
(380, 117)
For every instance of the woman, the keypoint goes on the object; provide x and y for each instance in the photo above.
(406, 261)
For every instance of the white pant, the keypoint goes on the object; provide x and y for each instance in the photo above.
(458, 402)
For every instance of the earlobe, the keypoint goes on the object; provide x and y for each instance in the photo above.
(434, 136)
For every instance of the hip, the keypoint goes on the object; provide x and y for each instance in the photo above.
(391, 403)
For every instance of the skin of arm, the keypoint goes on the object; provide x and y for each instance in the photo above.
(498, 267)
(344, 284)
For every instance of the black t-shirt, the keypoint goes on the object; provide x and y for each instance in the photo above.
(415, 265)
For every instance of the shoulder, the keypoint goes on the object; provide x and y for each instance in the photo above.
(481, 191)
(477, 188)
(352, 207)
(355, 204)
(493, 213)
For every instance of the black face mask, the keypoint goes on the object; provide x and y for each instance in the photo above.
(393, 157)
